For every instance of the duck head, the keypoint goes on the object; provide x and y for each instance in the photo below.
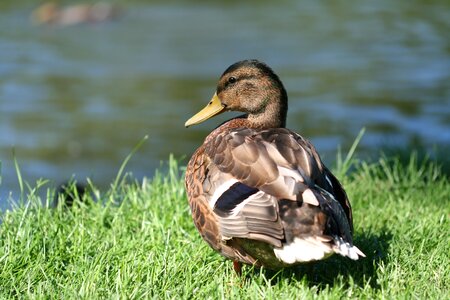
(248, 86)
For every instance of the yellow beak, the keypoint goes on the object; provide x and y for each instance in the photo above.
(213, 108)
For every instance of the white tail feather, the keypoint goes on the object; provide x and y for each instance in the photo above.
(345, 249)
(315, 248)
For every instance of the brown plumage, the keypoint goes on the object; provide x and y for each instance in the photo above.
(258, 192)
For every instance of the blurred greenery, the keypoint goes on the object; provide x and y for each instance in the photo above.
(74, 100)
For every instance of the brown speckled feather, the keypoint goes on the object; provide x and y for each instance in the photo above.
(198, 186)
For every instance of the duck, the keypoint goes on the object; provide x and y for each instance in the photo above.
(258, 192)
(52, 13)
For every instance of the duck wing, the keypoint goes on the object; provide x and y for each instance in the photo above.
(270, 185)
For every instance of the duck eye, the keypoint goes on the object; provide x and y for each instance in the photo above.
(232, 79)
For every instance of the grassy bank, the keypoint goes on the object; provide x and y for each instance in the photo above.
(139, 241)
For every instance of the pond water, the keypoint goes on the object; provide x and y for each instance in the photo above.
(75, 100)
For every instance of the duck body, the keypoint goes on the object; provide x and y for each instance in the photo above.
(259, 192)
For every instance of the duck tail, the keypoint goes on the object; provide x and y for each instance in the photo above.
(347, 249)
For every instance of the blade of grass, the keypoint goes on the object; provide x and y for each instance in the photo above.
(125, 162)
(344, 166)
(19, 174)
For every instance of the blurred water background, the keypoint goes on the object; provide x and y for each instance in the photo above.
(76, 98)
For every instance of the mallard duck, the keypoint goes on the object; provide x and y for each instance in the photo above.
(52, 13)
(258, 192)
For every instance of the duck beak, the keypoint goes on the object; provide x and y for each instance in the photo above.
(213, 108)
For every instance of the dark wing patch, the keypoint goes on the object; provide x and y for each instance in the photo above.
(337, 221)
(340, 195)
(232, 197)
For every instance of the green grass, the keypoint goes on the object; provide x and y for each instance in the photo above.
(138, 241)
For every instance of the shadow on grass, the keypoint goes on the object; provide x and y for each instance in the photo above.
(338, 269)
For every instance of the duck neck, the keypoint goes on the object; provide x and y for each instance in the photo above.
(273, 116)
